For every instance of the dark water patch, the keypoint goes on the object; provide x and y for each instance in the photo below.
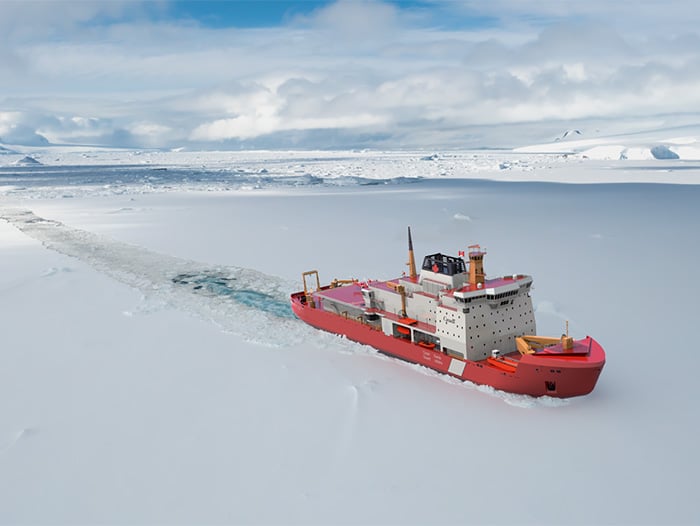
(215, 284)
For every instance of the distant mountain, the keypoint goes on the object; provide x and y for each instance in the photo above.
(658, 143)
(27, 161)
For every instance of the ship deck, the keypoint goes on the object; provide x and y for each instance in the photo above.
(347, 294)
(351, 295)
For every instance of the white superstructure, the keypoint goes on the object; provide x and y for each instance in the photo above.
(454, 308)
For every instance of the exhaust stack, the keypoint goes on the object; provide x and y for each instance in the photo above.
(411, 259)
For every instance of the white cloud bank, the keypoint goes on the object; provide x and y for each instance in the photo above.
(350, 73)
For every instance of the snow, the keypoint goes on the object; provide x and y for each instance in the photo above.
(129, 395)
(77, 172)
(655, 144)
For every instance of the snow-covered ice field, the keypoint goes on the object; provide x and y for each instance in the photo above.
(151, 372)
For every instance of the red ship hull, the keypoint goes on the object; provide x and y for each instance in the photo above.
(552, 374)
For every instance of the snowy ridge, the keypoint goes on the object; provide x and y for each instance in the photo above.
(643, 146)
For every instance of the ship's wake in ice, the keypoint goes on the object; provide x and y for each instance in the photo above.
(240, 300)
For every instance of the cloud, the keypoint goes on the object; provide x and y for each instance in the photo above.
(14, 130)
(354, 20)
(366, 70)
(297, 104)
(22, 21)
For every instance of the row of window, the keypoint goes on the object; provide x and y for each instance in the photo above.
(502, 295)
(476, 328)
(488, 296)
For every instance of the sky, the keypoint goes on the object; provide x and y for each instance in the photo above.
(344, 74)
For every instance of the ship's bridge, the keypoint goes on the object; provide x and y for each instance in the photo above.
(448, 270)
(442, 264)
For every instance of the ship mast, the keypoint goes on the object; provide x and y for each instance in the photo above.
(411, 259)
